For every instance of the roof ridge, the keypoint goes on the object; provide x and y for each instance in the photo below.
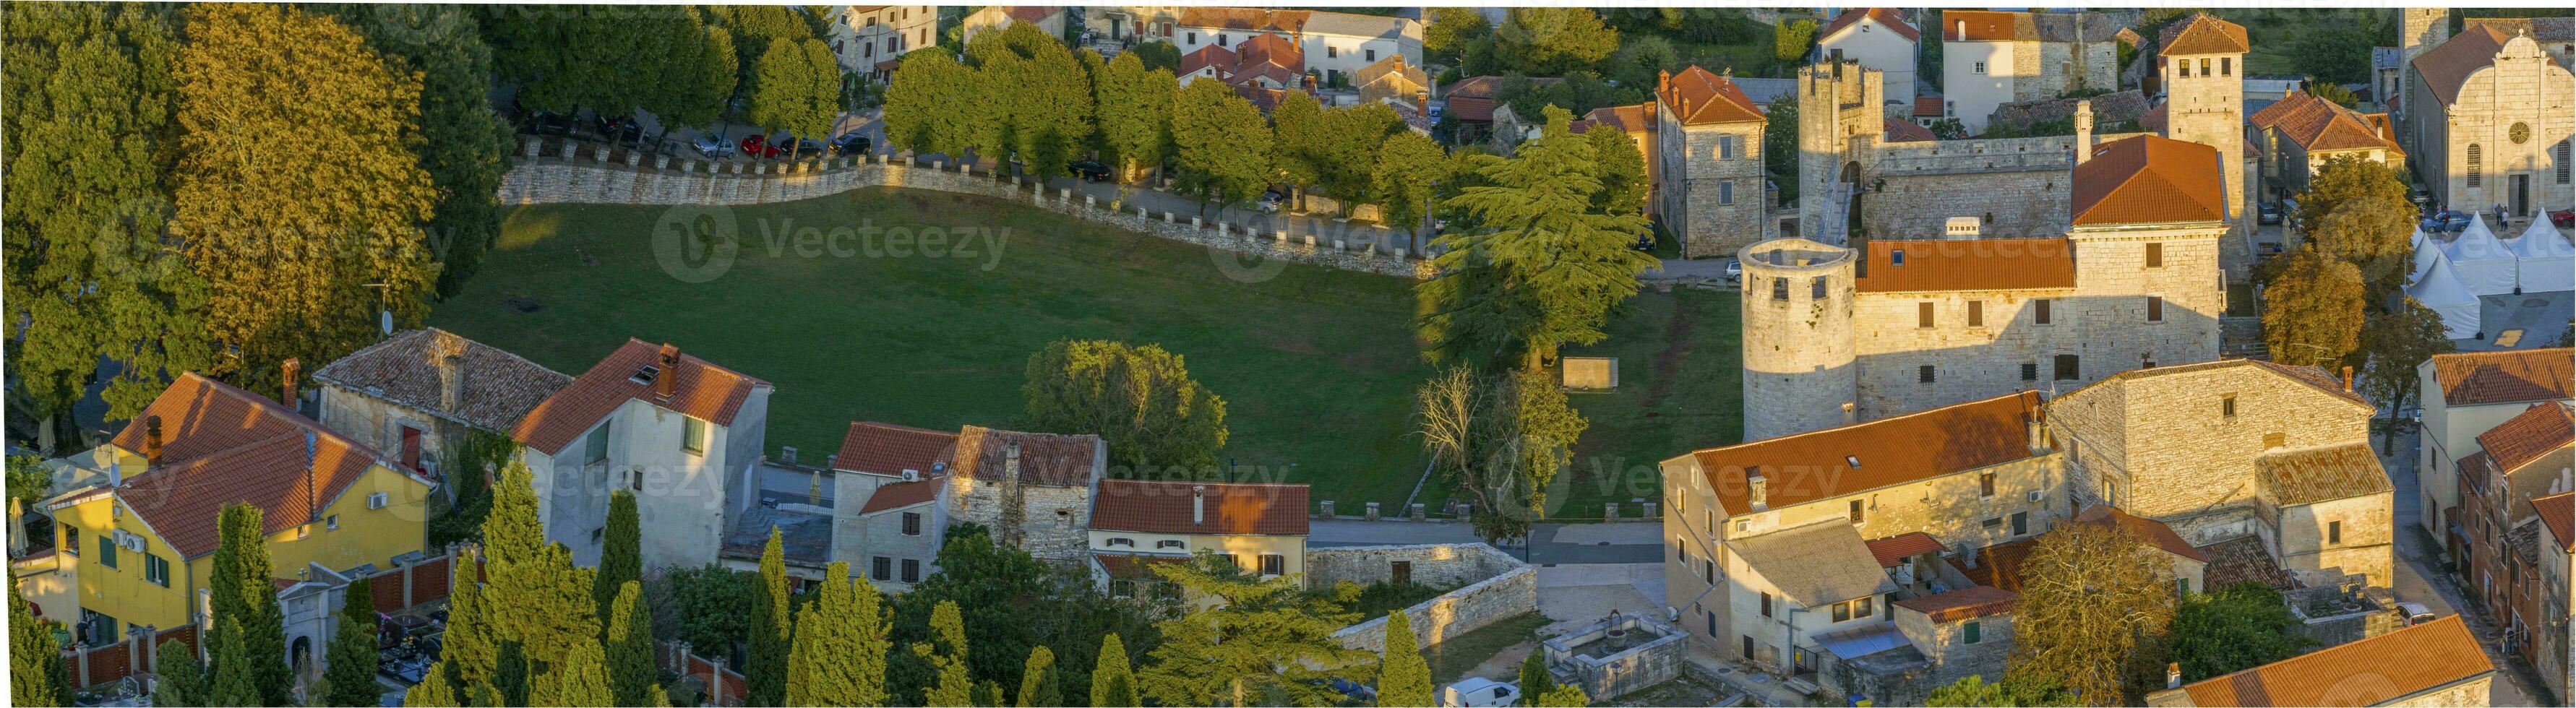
(288, 415)
(1873, 421)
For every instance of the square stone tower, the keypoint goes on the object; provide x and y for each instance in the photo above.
(2420, 30)
(2202, 60)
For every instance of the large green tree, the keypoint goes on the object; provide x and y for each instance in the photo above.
(350, 676)
(1447, 30)
(1409, 169)
(92, 271)
(633, 680)
(840, 653)
(2394, 344)
(1262, 641)
(1220, 145)
(1349, 160)
(1113, 680)
(243, 597)
(471, 648)
(1623, 171)
(1158, 422)
(1039, 682)
(2313, 311)
(1134, 103)
(233, 681)
(1501, 439)
(772, 628)
(1403, 678)
(1040, 96)
(2094, 607)
(2358, 211)
(464, 145)
(946, 654)
(301, 254)
(1013, 603)
(538, 603)
(1298, 135)
(796, 88)
(2240, 627)
(1550, 41)
(932, 105)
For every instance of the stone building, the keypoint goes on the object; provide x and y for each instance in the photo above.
(890, 510)
(1708, 159)
(2205, 107)
(991, 17)
(2506, 109)
(2552, 649)
(1989, 58)
(2236, 449)
(419, 394)
(2556, 35)
(871, 39)
(2298, 134)
(2438, 663)
(1033, 490)
(1914, 321)
(680, 432)
(1880, 39)
(1260, 528)
(2463, 395)
(2420, 29)
(2533, 455)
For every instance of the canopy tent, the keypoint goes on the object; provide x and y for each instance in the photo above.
(2427, 253)
(2543, 260)
(2482, 262)
(2442, 292)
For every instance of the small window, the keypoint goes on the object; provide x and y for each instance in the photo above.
(1725, 147)
(1766, 604)
(1193, 38)
(2334, 532)
(2069, 367)
(1221, 40)
(1856, 512)
(1972, 632)
(107, 551)
(1896, 257)
(881, 568)
(1842, 612)
(912, 570)
(2155, 255)
(1976, 313)
(71, 541)
(2030, 371)
(331, 523)
(2226, 66)
(2204, 66)
(1726, 192)
(1369, 55)
(2155, 309)
(2476, 164)
(1779, 288)
(1924, 373)
(1985, 485)
(2039, 311)
(693, 436)
(1993, 523)
(1863, 607)
(912, 525)
(1980, 68)
(2021, 522)
(1331, 51)
(1171, 544)
(1923, 314)
(1274, 564)
(2563, 159)
(156, 570)
(376, 500)
(595, 450)
(1816, 288)
(1853, 460)
(1128, 542)
(2227, 406)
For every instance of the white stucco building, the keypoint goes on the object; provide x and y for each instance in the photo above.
(1879, 39)
(680, 433)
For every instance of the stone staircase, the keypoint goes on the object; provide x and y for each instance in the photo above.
(1833, 227)
(2242, 338)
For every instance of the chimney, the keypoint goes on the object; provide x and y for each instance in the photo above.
(668, 384)
(312, 482)
(451, 381)
(1851, 414)
(2083, 131)
(1011, 461)
(294, 370)
(152, 442)
(1963, 30)
(1756, 489)
(2173, 674)
(115, 477)
(1198, 504)
(2347, 379)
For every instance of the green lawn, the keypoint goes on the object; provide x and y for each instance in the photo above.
(1451, 660)
(1317, 366)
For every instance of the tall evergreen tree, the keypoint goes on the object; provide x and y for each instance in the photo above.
(1409, 169)
(1113, 680)
(1038, 680)
(840, 653)
(576, 679)
(1535, 679)
(947, 654)
(765, 674)
(631, 673)
(37, 676)
(471, 648)
(235, 681)
(435, 690)
(621, 555)
(1403, 678)
(1262, 637)
(539, 603)
(241, 588)
(349, 678)
(1623, 171)
(178, 679)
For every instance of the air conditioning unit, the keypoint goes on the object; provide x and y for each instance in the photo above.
(912, 475)
(131, 542)
(1672, 614)
(376, 500)
(2034, 495)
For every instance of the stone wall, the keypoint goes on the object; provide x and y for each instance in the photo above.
(1654, 653)
(2109, 108)
(1496, 586)
(589, 177)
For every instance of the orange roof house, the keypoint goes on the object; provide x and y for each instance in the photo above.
(2148, 180)
(2440, 656)
(1879, 453)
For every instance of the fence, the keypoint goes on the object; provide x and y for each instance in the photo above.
(395, 590)
(725, 686)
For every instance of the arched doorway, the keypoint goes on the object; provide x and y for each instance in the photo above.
(300, 656)
(1851, 210)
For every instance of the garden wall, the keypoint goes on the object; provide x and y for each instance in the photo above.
(582, 174)
(1496, 586)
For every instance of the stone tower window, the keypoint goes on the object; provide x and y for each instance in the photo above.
(2039, 311)
(2155, 255)
(2204, 66)
(1923, 315)
(2155, 309)
(2068, 367)
(2227, 406)
(1924, 373)
(2226, 66)
(2030, 371)
(1779, 288)
(1816, 289)
(2477, 165)
(1976, 313)
(2561, 159)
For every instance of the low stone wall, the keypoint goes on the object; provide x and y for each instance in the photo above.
(587, 175)
(1656, 653)
(1497, 586)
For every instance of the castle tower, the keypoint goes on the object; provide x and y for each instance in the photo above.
(1799, 371)
(1839, 103)
(2420, 29)
(2202, 59)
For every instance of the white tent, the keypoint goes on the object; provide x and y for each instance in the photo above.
(2481, 261)
(2543, 260)
(2442, 292)
(2427, 253)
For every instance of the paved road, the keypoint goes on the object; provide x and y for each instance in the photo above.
(2418, 577)
(1550, 544)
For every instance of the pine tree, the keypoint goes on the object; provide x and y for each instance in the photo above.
(621, 554)
(350, 676)
(1266, 638)
(1113, 680)
(242, 590)
(177, 676)
(839, 657)
(236, 682)
(37, 676)
(536, 597)
(435, 690)
(1403, 678)
(631, 674)
(471, 648)
(765, 674)
(576, 679)
(1038, 680)
(947, 654)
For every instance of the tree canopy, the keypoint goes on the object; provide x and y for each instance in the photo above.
(1157, 421)
(2240, 627)
(1220, 144)
(1263, 642)
(2093, 610)
(2313, 309)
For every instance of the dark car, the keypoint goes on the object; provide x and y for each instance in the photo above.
(1090, 170)
(808, 146)
(1644, 243)
(851, 143)
(758, 146)
(617, 129)
(2446, 221)
(545, 123)
(2267, 213)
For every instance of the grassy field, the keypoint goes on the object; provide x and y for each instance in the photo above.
(1317, 366)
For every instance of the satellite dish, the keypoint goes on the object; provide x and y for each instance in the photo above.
(385, 321)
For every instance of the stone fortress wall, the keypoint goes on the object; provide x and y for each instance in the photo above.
(1496, 586)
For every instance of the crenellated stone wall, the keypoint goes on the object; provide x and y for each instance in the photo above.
(588, 175)
(1497, 586)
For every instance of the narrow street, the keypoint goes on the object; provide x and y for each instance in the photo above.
(2418, 577)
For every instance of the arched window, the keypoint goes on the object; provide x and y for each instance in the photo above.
(2476, 159)
(2561, 157)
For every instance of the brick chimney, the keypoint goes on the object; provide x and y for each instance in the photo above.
(2347, 379)
(152, 442)
(1757, 490)
(312, 482)
(294, 370)
(2173, 674)
(2083, 131)
(1198, 504)
(668, 384)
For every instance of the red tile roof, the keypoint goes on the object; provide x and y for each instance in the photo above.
(2320, 125)
(1884, 15)
(1244, 19)
(1979, 264)
(1899, 130)
(1270, 56)
(1895, 549)
(888, 449)
(2558, 512)
(1917, 446)
(1928, 106)
(1045, 458)
(2149, 180)
(2314, 474)
(702, 390)
(1999, 565)
(1203, 57)
(2478, 378)
(222, 445)
(1170, 507)
(2203, 34)
(1031, 13)
(2365, 672)
(1981, 25)
(1470, 108)
(902, 494)
(1697, 97)
(1966, 603)
(2536, 431)
(2155, 532)
(1628, 119)
(2447, 66)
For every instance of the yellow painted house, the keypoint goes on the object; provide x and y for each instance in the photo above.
(137, 546)
(1136, 523)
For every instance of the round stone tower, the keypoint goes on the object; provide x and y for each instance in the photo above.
(1798, 362)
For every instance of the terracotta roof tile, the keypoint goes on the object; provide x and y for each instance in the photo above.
(2148, 180)
(1203, 57)
(1032, 13)
(1045, 458)
(2203, 34)
(902, 494)
(1272, 56)
(1244, 19)
(223, 445)
(702, 390)
(1963, 604)
(1895, 549)
(2477, 378)
(1899, 130)
(2315, 474)
(1928, 106)
(1629, 119)
(2154, 532)
(2558, 512)
(2536, 431)
(1885, 16)
(1169, 507)
(1816, 465)
(1697, 97)
(1999, 565)
(1978, 264)
(2359, 673)
(498, 387)
(1982, 25)
(2447, 66)
(889, 449)
(2320, 125)
(2243, 559)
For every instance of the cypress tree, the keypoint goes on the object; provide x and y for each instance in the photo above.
(177, 678)
(488, 696)
(839, 656)
(954, 687)
(631, 673)
(765, 674)
(536, 598)
(470, 650)
(241, 589)
(350, 674)
(1038, 680)
(987, 693)
(577, 679)
(510, 677)
(234, 682)
(37, 676)
(1403, 678)
(435, 690)
(621, 554)
(1535, 681)
(1113, 680)
(1566, 696)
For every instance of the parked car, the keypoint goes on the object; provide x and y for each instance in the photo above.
(616, 130)
(1645, 242)
(2416, 613)
(851, 143)
(2267, 213)
(1476, 692)
(2446, 220)
(758, 146)
(805, 146)
(2267, 249)
(712, 145)
(1090, 171)
(1272, 201)
(545, 123)
(1734, 270)
(2563, 219)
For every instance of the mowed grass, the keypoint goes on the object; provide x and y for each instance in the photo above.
(1680, 389)
(1317, 366)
